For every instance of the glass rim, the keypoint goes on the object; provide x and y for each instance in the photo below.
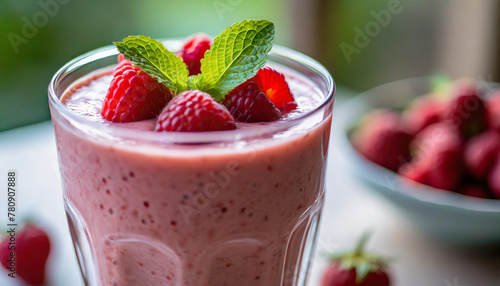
(190, 137)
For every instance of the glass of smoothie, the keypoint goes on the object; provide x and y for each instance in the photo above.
(238, 207)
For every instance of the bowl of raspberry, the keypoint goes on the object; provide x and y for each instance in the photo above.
(431, 147)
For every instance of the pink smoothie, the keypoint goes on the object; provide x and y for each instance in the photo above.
(229, 213)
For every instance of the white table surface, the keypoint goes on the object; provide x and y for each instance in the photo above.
(350, 209)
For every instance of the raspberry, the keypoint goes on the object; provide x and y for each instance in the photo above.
(264, 97)
(194, 110)
(193, 51)
(133, 95)
(121, 58)
(248, 103)
(32, 249)
(276, 88)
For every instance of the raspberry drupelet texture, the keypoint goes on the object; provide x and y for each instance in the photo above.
(276, 88)
(248, 103)
(264, 97)
(133, 95)
(194, 110)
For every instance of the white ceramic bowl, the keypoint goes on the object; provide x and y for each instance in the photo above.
(447, 216)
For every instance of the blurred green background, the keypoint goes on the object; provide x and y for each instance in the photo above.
(363, 43)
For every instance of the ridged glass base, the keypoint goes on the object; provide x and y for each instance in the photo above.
(139, 260)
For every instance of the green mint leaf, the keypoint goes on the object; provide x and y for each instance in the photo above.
(235, 56)
(156, 60)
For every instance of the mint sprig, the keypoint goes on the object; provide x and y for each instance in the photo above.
(235, 56)
(156, 60)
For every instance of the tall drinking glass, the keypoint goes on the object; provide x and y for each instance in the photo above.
(236, 207)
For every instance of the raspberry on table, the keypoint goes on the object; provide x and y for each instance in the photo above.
(192, 111)
(133, 95)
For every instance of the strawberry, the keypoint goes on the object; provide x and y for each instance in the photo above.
(194, 110)
(417, 171)
(383, 139)
(133, 95)
(480, 153)
(474, 190)
(493, 110)
(32, 248)
(438, 136)
(438, 156)
(494, 178)
(447, 169)
(248, 103)
(193, 51)
(422, 113)
(274, 85)
(466, 110)
(356, 268)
